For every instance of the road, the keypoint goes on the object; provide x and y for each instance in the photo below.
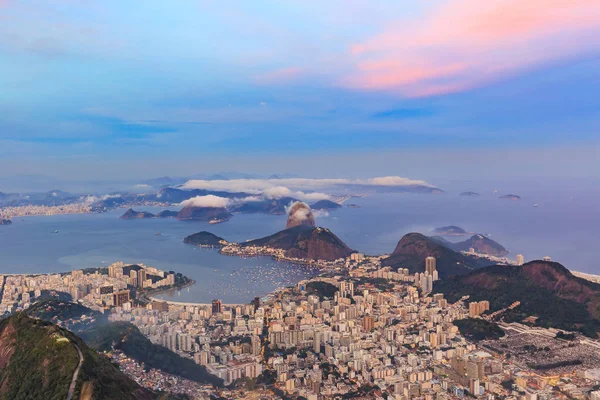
(75, 374)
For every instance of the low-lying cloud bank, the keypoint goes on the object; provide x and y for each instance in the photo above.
(207, 201)
(300, 188)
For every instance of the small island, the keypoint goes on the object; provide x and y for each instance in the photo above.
(325, 205)
(469, 194)
(512, 197)
(205, 239)
(5, 222)
(167, 214)
(131, 214)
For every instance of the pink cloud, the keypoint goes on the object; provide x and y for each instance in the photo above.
(279, 76)
(467, 43)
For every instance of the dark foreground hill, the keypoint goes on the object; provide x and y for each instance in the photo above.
(413, 248)
(72, 316)
(546, 290)
(205, 239)
(38, 361)
(127, 338)
(306, 242)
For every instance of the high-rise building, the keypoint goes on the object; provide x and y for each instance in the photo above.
(520, 259)
(120, 298)
(216, 306)
(547, 258)
(368, 323)
(430, 265)
(141, 278)
(346, 289)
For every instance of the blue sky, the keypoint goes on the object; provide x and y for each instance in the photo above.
(130, 89)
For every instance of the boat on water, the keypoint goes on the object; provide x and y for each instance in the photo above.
(217, 221)
(55, 231)
(536, 205)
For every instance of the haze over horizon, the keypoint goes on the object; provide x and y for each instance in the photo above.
(437, 90)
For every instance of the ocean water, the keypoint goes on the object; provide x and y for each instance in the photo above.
(564, 227)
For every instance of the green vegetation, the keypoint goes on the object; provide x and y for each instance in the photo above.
(321, 289)
(540, 292)
(127, 338)
(479, 329)
(52, 310)
(380, 283)
(413, 248)
(565, 336)
(39, 359)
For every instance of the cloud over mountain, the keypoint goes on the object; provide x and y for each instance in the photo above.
(206, 201)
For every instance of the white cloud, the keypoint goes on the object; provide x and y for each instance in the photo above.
(282, 191)
(206, 201)
(141, 186)
(301, 186)
(95, 199)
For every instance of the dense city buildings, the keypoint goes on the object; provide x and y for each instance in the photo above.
(354, 329)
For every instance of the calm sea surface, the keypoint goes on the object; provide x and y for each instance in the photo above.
(564, 226)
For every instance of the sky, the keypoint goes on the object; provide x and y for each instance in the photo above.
(435, 90)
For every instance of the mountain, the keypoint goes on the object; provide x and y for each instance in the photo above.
(300, 214)
(167, 214)
(469, 194)
(325, 205)
(38, 360)
(205, 239)
(545, 289)
(481, 244)
(513, 197)
(413, 248)
(131, 214)
(305, 242)
(203, 213)
(5, 222)
(266, 206)
(127, 338)
(450, 231)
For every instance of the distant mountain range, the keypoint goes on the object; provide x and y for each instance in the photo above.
(203, 214)
(39, 360)
(413, 248)
(546, 290)
(266, 206)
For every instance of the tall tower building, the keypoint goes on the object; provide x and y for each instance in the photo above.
(216, 306)
(430, 265)
(141, 277)
(520, 259)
